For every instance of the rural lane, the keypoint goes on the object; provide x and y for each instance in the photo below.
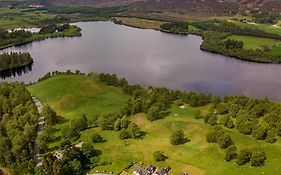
(41, 124)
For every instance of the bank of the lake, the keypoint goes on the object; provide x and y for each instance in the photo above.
(215, 42)
(14, 60)
(72, 31)
(150, 58)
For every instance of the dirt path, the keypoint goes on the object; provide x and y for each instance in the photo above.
(37, 158)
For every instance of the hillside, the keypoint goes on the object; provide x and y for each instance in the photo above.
(74, 95)
(213, 6)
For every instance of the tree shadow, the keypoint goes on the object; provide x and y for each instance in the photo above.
(98, 152)
(57, 139)
(54, 148)
(61, 120)
(185, 140)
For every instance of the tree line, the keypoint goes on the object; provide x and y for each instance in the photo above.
(14, 60)
(18, 126)
(232, 28)
(217, 42)
(175, 27)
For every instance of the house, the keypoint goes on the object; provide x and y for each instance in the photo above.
(185, 173)
(151, 169)
(161, 171)
(141, 171)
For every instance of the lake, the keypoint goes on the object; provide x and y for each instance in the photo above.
(151, 58)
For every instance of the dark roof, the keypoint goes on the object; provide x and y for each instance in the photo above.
(150, 168)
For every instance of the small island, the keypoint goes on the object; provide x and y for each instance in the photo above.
(14, 60)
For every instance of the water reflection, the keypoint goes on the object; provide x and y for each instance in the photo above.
(18, 71)
(150, 58)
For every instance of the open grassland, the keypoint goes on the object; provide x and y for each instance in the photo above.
(73, 95)
(254, 42)
(273, 29)
(140, 23)
(259, 43)
(147, 24)
(18, 17)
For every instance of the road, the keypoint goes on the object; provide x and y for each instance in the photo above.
(41, 124)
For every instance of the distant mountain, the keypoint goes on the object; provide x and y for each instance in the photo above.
(215, 6)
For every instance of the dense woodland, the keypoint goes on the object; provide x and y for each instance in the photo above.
(175, 27)
(14, 60)
(18, 126)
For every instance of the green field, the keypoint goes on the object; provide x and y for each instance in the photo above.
(264, 27)
(74, 95)
(14, 18)
(254, 42)
(147, 24)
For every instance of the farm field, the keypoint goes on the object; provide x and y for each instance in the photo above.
(74, 95)
(18, 17)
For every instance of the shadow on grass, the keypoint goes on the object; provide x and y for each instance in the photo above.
(54, 148)
(61, 120)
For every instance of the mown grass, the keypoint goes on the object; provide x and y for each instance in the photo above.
(74, 95)
(254, 42)
(71, 96)
(197, 156)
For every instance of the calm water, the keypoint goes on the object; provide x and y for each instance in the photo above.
(150, 57)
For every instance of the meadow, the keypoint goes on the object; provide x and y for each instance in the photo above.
(74, 95)
(254, 42)
(273, 29)
(147, 24)
(140, 23)
(20, 18)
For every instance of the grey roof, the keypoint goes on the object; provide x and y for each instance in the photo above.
(161, 171)
(141, 171)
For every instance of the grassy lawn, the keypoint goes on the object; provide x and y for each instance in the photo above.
(14, 18)
(254, 42)
(73, 95)
(265, 27)
(197, 156)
